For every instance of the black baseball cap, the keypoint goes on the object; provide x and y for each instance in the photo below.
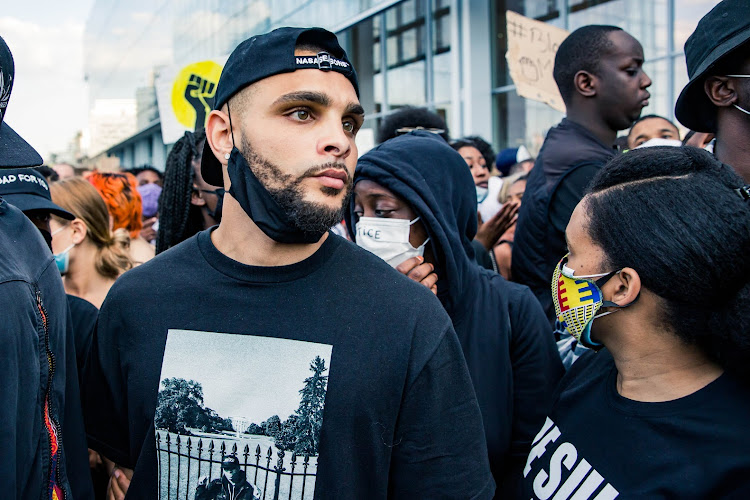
(230, 462)
(14, 151)
(26, 189)
(720, 32)
(270, 54)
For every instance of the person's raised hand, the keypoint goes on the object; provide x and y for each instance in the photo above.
(488, 233)
(148, 232)
(420, 271)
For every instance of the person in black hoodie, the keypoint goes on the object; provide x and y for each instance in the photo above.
(503, 331)
(42, 443)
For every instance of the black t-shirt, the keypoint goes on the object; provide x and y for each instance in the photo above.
(337, 367)
(569, 192)
(83, 316)
(601, 445)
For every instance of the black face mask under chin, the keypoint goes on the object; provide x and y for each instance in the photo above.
(260, 206)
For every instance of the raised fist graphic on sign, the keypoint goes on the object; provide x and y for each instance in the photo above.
(192, 96)
(199, 92)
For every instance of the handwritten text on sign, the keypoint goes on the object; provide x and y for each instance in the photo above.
(532, 46)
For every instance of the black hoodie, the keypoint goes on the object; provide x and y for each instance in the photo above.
(506, 338)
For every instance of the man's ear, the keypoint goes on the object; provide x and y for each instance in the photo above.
(720, 90)
(585, 83)
(79, 230)
(196, 197)
(219, 134)
(625, 286)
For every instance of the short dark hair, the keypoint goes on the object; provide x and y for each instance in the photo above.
(675, 216)
(143, 168)
(410, 116)
(648, 117)
(582, 50)
(462, 143)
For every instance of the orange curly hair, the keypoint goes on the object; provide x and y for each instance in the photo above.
(120, 193)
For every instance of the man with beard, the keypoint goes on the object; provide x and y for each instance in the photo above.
(390, 411)
(599, 72)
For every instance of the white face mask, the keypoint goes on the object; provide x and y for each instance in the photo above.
(658, 141)
(388, 239)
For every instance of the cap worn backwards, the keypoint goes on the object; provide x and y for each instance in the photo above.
(28, 190)
(14, 151)
(271, 54)
(725, 28)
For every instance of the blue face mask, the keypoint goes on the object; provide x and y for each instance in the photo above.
(62, 260)
(481, 193)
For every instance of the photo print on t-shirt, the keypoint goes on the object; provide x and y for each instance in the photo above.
(239, 416)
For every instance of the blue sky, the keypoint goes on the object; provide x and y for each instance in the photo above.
(49, 100)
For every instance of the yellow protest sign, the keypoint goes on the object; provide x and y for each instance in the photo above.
(192, 93)
(532, 46)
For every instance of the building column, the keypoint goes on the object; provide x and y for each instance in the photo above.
(476, 68)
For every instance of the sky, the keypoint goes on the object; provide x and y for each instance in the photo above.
(49, 101)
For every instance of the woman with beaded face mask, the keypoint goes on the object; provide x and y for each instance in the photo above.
(657, 284)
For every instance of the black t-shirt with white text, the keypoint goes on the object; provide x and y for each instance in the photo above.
(335, 377)
(599, 445)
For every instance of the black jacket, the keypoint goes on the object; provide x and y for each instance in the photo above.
(505, 337)
(221, 489)
(42, 439)
(570, 157)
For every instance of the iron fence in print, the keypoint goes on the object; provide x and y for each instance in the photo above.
(185, 461)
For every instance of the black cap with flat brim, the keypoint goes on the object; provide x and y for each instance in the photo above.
(27, 190)
(14, 151)
(270, 54)
(724, 29)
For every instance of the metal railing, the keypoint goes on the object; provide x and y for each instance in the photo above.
(183, 461)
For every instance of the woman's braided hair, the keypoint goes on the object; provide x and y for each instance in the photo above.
(178, 218)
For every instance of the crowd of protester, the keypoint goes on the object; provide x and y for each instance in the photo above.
(455, 288)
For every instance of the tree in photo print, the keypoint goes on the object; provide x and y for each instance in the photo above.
(180, 406)
(309, 415)
(300, 432)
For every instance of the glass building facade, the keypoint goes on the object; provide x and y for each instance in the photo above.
(448, 55)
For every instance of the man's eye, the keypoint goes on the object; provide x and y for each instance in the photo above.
(349, 126)
(301, 114)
